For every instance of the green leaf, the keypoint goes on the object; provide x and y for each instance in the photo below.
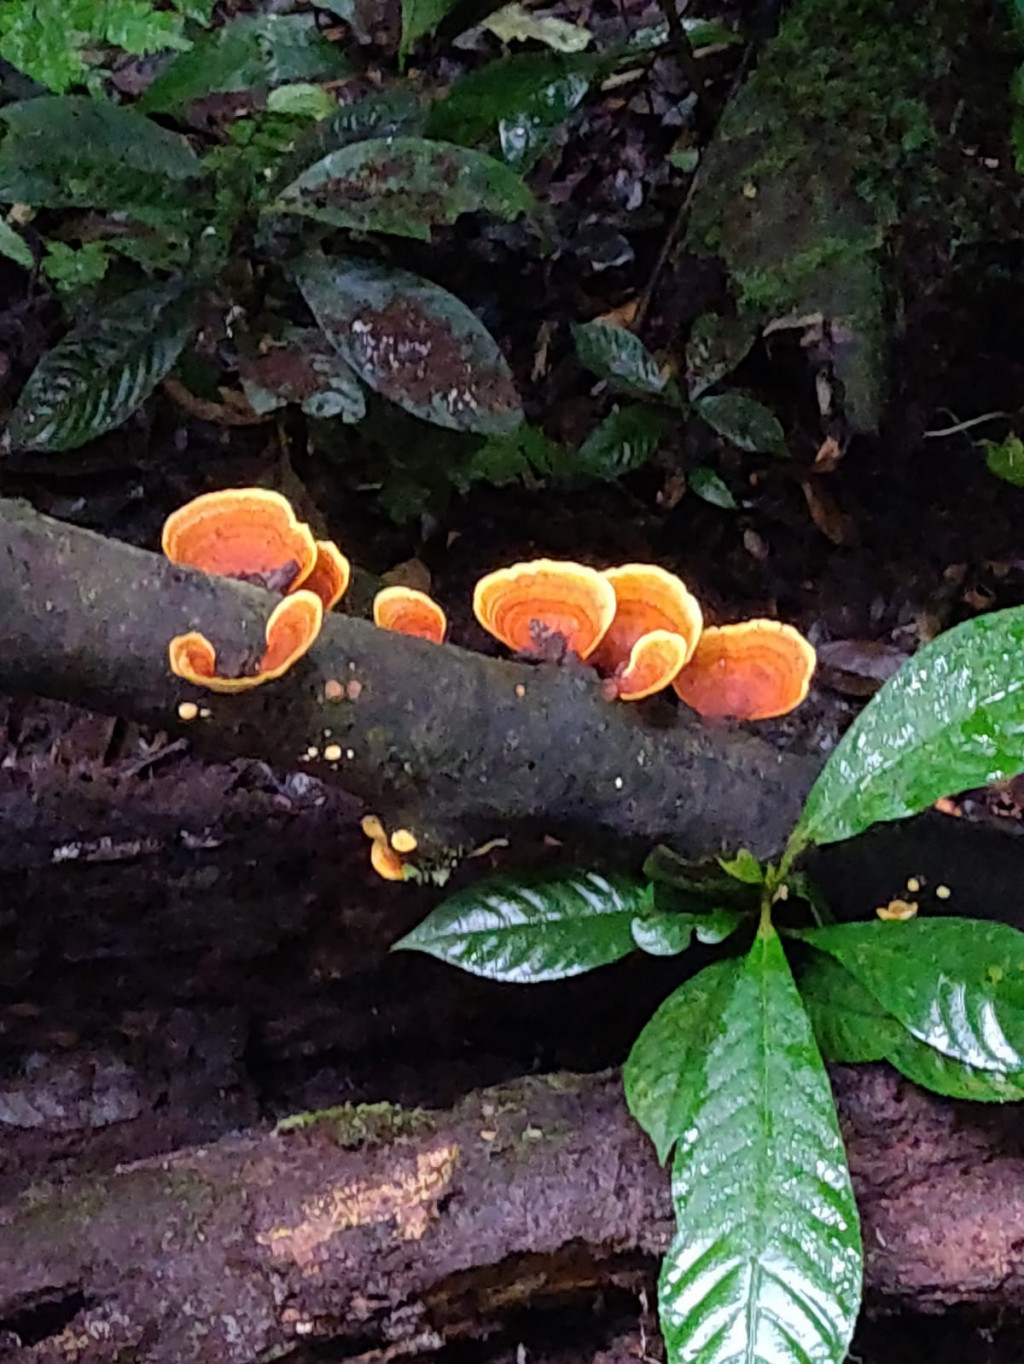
(1005, 459)
(522, 452)
(96, 377)
(301, 99)
(15, 247)
(626, 439)
(709, 487)
(851, 1026)
(715, 347)
(392, 113)
(616, 353)
(249, 50)
(68, 151)
(702, 879)
(957, 985)
(69, 268)
(524, 932)
(666, 935)
(403, 185)
(951, 719)
(747, 424)
(766, 1264)
(743, 867)
(304, 368)
(514, 23)
(420, 17)
(412, 342)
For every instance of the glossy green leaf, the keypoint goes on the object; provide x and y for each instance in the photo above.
(14, 246)
(105, 368)
(420, 18)
(951, 719)
(525, 932)
(404, 186)
(249, 50)
(303, 368)
(709, 487)
(412, 342)
(301, 99)
(626, 439)
(1005, 459)
(522, 97)
(766, 1264)
(715, 347)
(617, 354)
(69, 151)
(666, 935)
(747, 424)
(743, 867)
(957, 985)
(851, 1026)
(391, 113)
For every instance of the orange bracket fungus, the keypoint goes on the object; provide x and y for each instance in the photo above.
(655, 630)
(254, 535)
(384, 859)
(546, 608)
(409, 612)
(755, 670)
(293, 626)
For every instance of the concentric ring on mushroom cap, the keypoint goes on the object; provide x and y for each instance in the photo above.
(522, 604)
(330, 574)
(240, 532)
(409, 612)
(290, 632)
(647, 598)
(755, 670)
(654, 662)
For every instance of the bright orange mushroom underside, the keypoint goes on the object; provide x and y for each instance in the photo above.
(408, 612)
(647, 598)
(291, 630)
(755, 670)
(654, 661)
(528, 605)
(330, 574)
(240, 533)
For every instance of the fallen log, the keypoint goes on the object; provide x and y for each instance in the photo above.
(394, 1231)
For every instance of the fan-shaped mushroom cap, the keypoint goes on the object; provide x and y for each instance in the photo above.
(647, 598)
(293, 626)
(529, 603)
(409, 612)
(654, 661)
(755, 670)
(385, 862)
(330, 574)
(241, 533)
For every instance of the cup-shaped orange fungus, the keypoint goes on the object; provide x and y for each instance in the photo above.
(546, 604)
(253, 534)
(292, 628)
(386, 862)
(654, 662)
(755, 670)
(409, 612)
(648, 600)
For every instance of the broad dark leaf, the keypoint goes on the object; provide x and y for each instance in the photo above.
(852, 1026)
(951, 719)
(304, 368)
(392, 113)
(14, 246)
(403, 185)
(412, 342)
(624, 441)
(705, 880)
(249, 50)
(69, 151)
(766, 1264)
(957, 985)
(420, 17)
(715, 347)
(615, 353)
(105, 368)
(746, 423)
(711, 488)
(666, 935)
(526, 932)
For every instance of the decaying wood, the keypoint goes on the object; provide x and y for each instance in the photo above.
(397, 1230)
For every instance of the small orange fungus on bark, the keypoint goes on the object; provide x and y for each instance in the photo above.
(755, 670)
(654, 662)
(385, 862)
(546, 603)
(373, 828)
(647, 598)
(291, 630)
(253, 534)
(187, 710)
(409, 612)
(897, 910)
(404, 841)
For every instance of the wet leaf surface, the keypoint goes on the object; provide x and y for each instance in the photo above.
(665, 935)
(412, 342)
(523, 933)
(303, 368)
(747, 424)
(951, 719)
(616, 354)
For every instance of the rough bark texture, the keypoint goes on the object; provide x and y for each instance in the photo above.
(458, 747)
(401, 1229)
